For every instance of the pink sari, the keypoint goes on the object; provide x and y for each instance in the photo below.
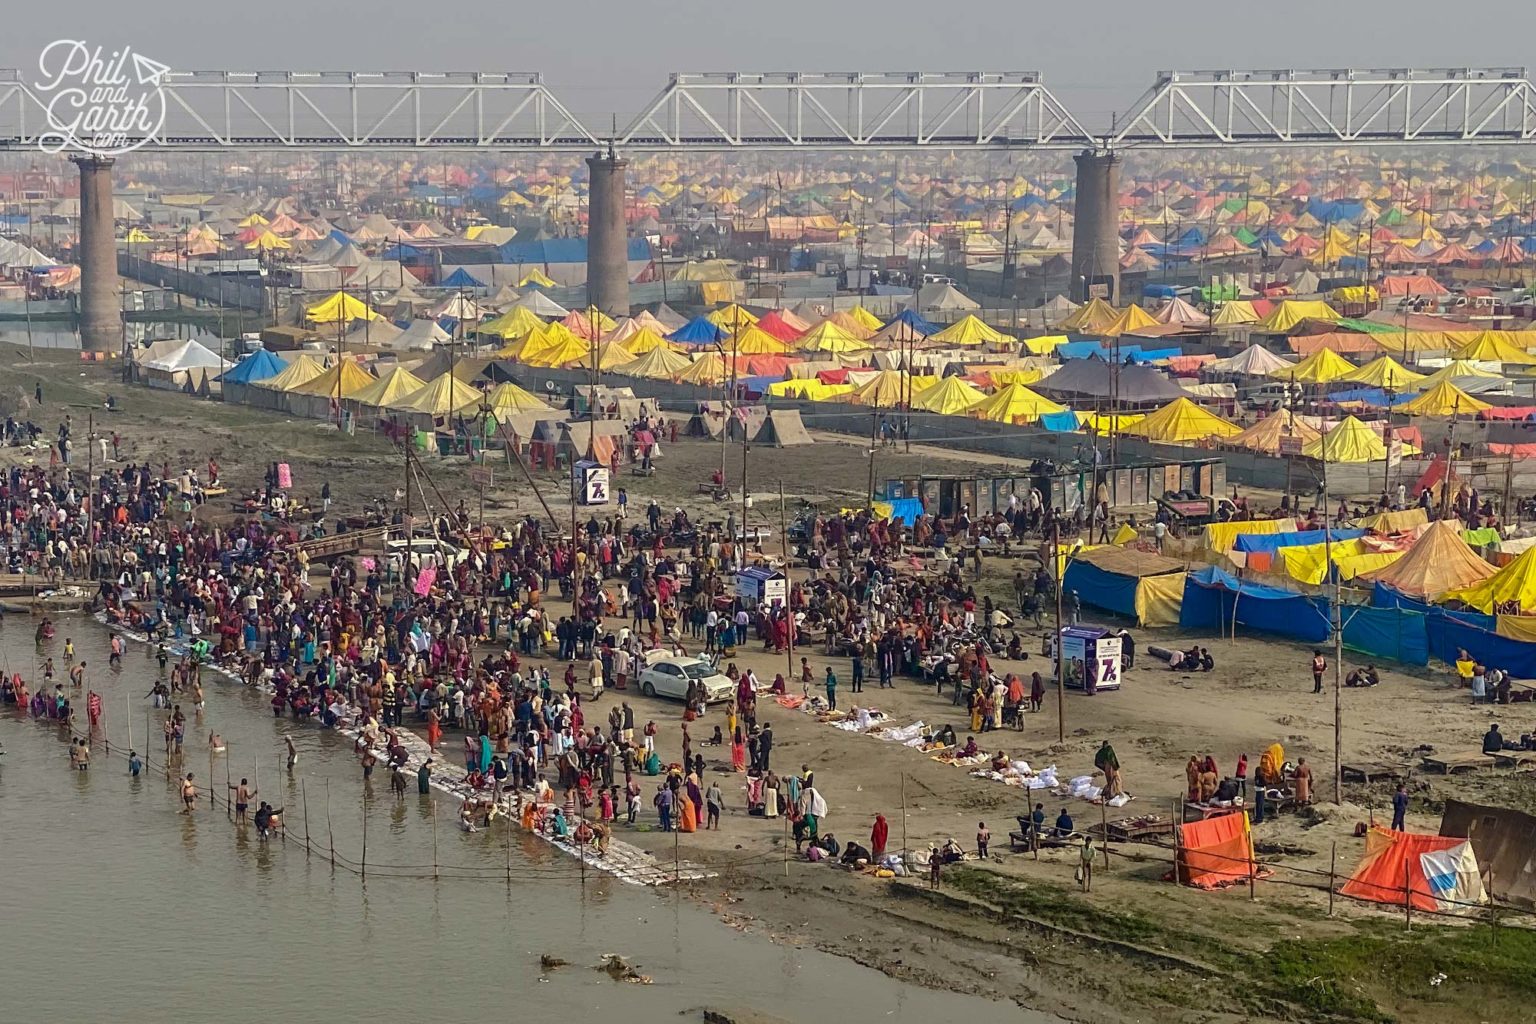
(739, 756)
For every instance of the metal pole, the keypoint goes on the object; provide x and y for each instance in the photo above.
(1061, 680)
(789, 589)
(874, 426)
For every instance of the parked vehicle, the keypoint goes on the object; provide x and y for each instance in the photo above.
(669, 676)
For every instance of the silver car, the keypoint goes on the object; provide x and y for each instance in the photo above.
(669, 676)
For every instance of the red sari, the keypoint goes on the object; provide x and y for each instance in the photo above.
(878, 836)
(434, 731)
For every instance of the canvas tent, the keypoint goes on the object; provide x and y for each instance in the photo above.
(782, 428)
(1136, 584)
(179, 365)
(1432, 873)
(1216, 852)
(1439, 561)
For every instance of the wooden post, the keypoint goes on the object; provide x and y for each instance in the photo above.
(1253, 871)
(304, 798)
(509, 850)
(433, 802)
(1104, 824)
(789, 588)
(785, 842)
(905, 850)
(1333, 864)
(329, 832)
(364, 865)
(1178, 830)
(1407, 896)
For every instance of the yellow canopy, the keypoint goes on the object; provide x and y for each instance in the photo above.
(646, 340)
(532, 341)
(254, 220)
(398, 383)
(865, 317)
(1180, 422)
(605, 323)
(1494, 346)
(754, 341)
(1321, 367)
(1131, 319)
(1044, 345)
(969, 330)
(829, 337)
(1514, 584)
(514, 323)
(139, 235)
(1015, 403)
(560, 352)
(613, 354)
(507, 397)
(1235, 312)
(1091, 317)
(444, 396)
(1444, 399)
(1108, 423)
(344, 380)
(303, 368)
(656, 364)
(536, 277)
(886, 389)
(950, 396)
(1350, 441)
(1440, 560)
(1293, 311)
(1382, 372)
(1456, 368)
(340, 306)
(265, 241)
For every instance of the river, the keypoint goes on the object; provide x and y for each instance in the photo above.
(117, 907)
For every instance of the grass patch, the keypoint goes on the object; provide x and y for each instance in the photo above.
(1053, 904)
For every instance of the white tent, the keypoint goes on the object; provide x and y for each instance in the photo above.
(539, 304)
(421, 335)
(941, 297)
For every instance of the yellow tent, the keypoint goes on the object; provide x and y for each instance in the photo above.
(137, 235)
(754, 341)
(537, 277)
(1043, 345)
(267, 241)
(646, 340)
(886, 389)
(1132, 319)
(729, 316)
(1015, 403)
(950, 397)
(865, 317)
(514, 323)
(1383, 372)
(1351, 441)
(533, 341)
(1440, 560)
(340, 306)
(1180, 422)
(444, 396)
(829, 337)
(708, 369)
(1456, 368)
(303, 368)
(1495, 347)
(344, 380)
(1514, 584)
(1234, 313)
(604, 322)
(507, 397)
(392, 387)
(1444, 399)
(1321, 367)
(1292, 312)
(969, 330)
(559, 352)
(1019, 375)
(1108, 423)
(1090, 318)
(656, 364)
(612, 354)
(253, 221)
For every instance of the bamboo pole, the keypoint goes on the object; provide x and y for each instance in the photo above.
(433, 802)
(329, 831)
(364, 865)
(304, 798)
(1333, 864)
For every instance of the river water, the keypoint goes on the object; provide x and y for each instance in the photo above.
(117, 907)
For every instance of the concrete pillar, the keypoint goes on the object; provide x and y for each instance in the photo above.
(1096, 225)
(101, 315)
(607, 240)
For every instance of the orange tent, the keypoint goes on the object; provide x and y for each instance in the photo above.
(1440, 872)
(1216, 852)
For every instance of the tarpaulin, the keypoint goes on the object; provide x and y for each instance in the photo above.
(1517, 627)
(1214, 599)
(1159, 599)
(907, 510)
(1481, 538)
(1215, 852)
(1222, 536)
(1394, 522)
(1435, 873)
(1059, 421)
(1294, 538)
(1099, 589)
(1395, 633)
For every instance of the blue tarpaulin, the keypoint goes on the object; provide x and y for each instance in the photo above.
(462, 278)
(259, 365)
(1059, 421)
(1272, 542)
(1099, 589)
(907, 510)
(1395, 633)
(1079, 349)
(1214, 599)
(1448, 631)
(698, 331)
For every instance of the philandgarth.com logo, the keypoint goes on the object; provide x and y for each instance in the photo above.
(104, 105)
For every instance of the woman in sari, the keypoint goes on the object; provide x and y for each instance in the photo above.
(738, 751)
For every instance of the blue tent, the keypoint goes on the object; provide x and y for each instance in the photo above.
(259, 365)
(911, 318)
(1272, 542)
(698, 331)
(1217, 600)
(461, 278)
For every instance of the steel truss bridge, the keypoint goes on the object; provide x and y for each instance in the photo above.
(513, 112)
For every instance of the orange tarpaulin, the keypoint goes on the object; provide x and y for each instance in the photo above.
(1439, 871)
(1216, 852)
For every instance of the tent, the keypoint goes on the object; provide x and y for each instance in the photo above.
(539, 304)
(941, 296)
(304, 367)
(708, 370)
(969, 331)
(507, 398)
(698, 331)
(1350, 441)
(1439, 561)
(1253, 361)
(421, 335)
(829, 337)
(179, 364)
(1455, 370)
(1136, 584)
(1218, 601)
(444, 396)
(1235, 313)
(656, 364)
(1502, 840)
(1383, 372)
(755, 342)
(949, 397)
(1181, 422)
(1265, 435)
(1321, 367)
(1092, 378)
(1092, 317)
(514, 323)
(1433, 873)
(259, 365)
(344, 380)
(730, 316)
(1015, 403)
(1216, 852)
(646, 340)
(1176, 311)
(885, 390)
(1131, 319)
(782, 428)
(1291, 312)
(611, 355)
(1444, 399)
(340, 306)
(1494, 347)
(390, 388)
(1510, 590)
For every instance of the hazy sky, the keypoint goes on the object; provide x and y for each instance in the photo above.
(614, 55)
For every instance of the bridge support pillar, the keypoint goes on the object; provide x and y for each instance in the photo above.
(607, 240)
(1096, 227)
(101, 317)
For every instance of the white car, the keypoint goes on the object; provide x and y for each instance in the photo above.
(669, 676)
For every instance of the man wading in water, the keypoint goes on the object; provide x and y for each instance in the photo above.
(188, 795)
(244, 794)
